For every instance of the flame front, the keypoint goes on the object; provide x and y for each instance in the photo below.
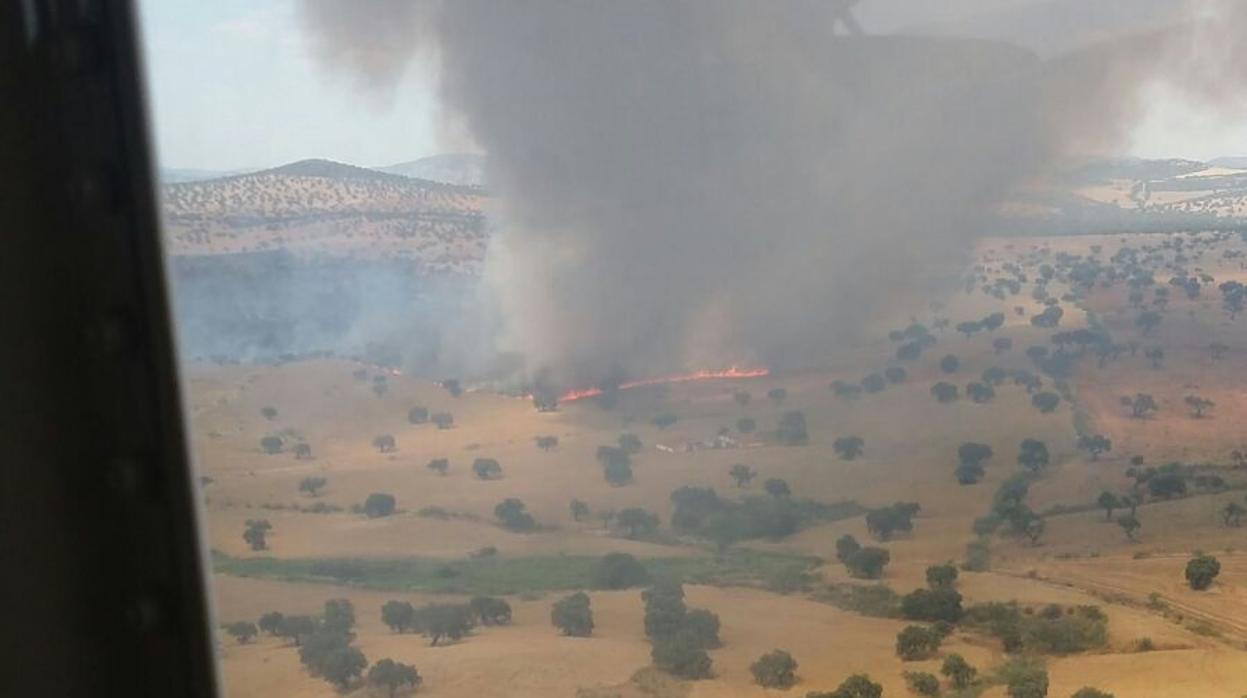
(704, 374)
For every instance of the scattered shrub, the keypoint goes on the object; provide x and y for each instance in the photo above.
(775, 669)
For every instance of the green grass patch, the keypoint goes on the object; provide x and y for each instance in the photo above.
(501, 575)
(875, 600)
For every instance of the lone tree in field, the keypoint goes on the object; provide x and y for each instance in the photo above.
(391, 676)
(1130, 524)
(1034, 528)
(486, 469)
(980, 393)
(1095, 444)
(312, 485)
(488, 610)
(302, 451)
(916, 642)
(511, 514)
(1002, 344)
(418, 415)
(547, 443)
(775, 669)
(618, 472)
(856, 686)
(573, 616)
(579, 510)
(742, 474)
(269, 413)
(949, 364)
(994, 375)
(922, 683)
(942, 576)
(443, 420)
(296, 628)
(874, 383)
(256, 533)
(384, 443)
(378, 505)
(845, 389)
(1046, 402)
(1089, 692)
(867, 563)
(1232, 514)
(777, 488)
(243, 631)
(973, 453)
(1141, 405)
(910, 351)
(681, 654)
(437, 621)
(1199, 405)
(271, 444)
(271, 622)
(792, 430)
(846, 545)
(1147, 321)
(1201, 570)
(932, 605)
(849, 447)
(1033, 455)
(339, 615)
(777, 395)
(439, 465)
(636, 522)
(969, 473)
(886, 521)
(1108, 502)
(399, 616)
(944, 392)
(958, 671)
(330, 656)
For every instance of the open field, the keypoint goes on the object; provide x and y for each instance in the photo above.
(431, 547)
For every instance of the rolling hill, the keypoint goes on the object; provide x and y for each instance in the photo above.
(321, 207)
(452, 168)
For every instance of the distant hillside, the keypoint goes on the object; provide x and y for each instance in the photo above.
(1234, 163)
(1133, 168)
(1136, 194)
(321, 207)
(452, 168)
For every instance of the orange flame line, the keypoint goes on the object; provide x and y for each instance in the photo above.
(704, 374)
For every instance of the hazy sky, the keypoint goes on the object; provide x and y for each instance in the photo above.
(233, 86)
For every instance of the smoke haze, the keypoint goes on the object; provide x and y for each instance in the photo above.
(706, 182)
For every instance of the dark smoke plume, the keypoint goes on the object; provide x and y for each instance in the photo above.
(701, 182)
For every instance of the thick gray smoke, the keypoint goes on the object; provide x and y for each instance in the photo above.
(700, 182)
